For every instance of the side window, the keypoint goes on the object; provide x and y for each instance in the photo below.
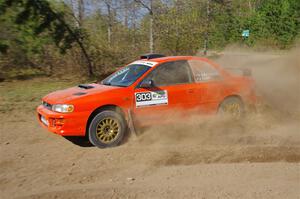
(171, 73)
(203, 71)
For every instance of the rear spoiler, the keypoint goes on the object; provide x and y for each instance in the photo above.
(240, 71)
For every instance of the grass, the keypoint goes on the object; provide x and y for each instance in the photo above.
(26, 95)
(21, 73)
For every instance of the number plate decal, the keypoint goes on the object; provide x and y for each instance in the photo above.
(151, 98)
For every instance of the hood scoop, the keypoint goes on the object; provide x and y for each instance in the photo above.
(79, 93)
(85, 86)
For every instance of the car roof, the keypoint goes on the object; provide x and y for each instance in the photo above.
(175, 58)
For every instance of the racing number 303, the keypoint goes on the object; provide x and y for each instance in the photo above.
(141, 97)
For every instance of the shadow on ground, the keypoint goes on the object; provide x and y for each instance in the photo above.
(79, 141)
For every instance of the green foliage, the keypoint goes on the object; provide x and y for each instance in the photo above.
(43, 20)
(272, 22)
(41, 15)
(179, 30)
(281, 20)
(18, 42)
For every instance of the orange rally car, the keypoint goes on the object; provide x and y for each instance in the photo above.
(143, 93)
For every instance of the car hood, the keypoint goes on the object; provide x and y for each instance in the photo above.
(66, 95)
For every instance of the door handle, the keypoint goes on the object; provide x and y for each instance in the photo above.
(190, 91)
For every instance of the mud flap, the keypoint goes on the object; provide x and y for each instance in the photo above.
(131, 124)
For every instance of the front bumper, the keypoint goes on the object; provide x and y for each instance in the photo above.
(65, 124)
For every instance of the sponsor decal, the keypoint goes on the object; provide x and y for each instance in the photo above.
(151, 98)
(205, 76)
(147, 63)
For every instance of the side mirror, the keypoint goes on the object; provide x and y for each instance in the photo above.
(147, 84)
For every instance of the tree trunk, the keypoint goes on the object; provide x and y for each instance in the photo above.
(206, 35)
(109, 35)
(80, 12)
(80, 43)
(151, 40)
(89, 63)
(79, 18)
(134, 26)
(151, 31)
(126, 7)
(151, 43)
(250, 5)
(109, 22)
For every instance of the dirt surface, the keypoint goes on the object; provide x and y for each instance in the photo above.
(257, 157)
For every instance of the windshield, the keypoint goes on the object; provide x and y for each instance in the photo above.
(126, 76)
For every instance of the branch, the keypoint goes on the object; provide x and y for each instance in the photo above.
(144, 5)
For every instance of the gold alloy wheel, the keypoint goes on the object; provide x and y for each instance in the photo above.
(234, 109)
(108, 130)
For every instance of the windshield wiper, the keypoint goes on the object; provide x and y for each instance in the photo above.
(119, 85)
(110, 84)
(106, 83)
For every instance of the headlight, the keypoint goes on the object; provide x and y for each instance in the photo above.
(63, 108)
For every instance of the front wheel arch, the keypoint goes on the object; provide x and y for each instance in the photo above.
(107, 129)
(100, 109)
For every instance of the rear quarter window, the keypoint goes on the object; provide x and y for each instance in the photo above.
(203, 71)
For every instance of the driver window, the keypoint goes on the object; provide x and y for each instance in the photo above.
(171, 73)
(203, 71)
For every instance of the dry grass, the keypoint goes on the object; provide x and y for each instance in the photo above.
(26, 95)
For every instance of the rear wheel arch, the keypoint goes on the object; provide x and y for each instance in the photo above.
(230, 100)
(232, 96)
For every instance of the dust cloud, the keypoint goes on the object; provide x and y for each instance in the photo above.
(277, 76)
(199, 157)
(269, 134)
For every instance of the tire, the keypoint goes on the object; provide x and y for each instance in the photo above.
(232, 107)
(107, 129)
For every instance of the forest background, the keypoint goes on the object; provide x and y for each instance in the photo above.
(91, 38)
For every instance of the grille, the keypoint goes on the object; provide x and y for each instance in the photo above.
(47, 105)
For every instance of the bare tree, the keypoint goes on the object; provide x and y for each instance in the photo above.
(78, 14)
(150, 10)
(126, 12)
(108, 4)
